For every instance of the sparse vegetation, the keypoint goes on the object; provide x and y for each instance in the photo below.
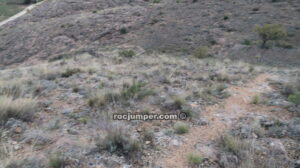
(12, 88)
(270, 32)
(94, 49)
(256, 99)
(70, 71)
(148, 135)
(290, 88)
(178, 102)
(127, 53)
(56, 160)
(247, 42)
(201, 52)
(123, 30)
(134, 91)
(214, 92)
(233, 144)
(194, 159)
(181, 128)
(295, 98)
(119, 141)
(20, 108)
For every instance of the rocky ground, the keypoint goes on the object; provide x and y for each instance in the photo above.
(173, 26)
(69, 65)
(217, 95)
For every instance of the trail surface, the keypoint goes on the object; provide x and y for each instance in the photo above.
(221, 118)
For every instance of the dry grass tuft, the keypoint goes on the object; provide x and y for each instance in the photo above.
(20, 108)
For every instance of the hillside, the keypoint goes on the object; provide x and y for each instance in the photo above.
(58, 26)
(207, 84)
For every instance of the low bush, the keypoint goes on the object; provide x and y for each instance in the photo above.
(233, 144)
(57, 160)
(181, 128)
(290, 88)
(119, 141)
(135, 91)
(247, 42)
(70, 72)
(194, 159)
(178, 102)
(270, 32)
(148, 135)
(123, 30)
(127, 53)
(295, 98)
(256, 99)
(11, 88)
(201, 52)
(20, 108)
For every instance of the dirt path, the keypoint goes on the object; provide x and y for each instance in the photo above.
(221, 118)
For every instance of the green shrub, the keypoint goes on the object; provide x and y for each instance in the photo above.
(181, 128)
(295, 98)
(187, 110)
(123, 30)
(148, 135)
(194, 159)
(290, 88)
(233, 144)
(56, 160)
(247, 42)
(99, 99)
(201, 52)
(135, 91)
(20, 108)
(256, 99)
(119, 141)
(284, 44)
(127, 53)
(178, 102)
(269, 32)
(70, 72)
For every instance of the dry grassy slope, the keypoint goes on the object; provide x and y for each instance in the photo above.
(65, 123)
(58, 26)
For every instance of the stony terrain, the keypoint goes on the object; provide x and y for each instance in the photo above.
(175, 26)
(69, 65)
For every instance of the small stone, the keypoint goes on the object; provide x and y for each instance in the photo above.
(17, 147)
(202, 121)
(67, 111)
(18, 130)
(175, 142)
